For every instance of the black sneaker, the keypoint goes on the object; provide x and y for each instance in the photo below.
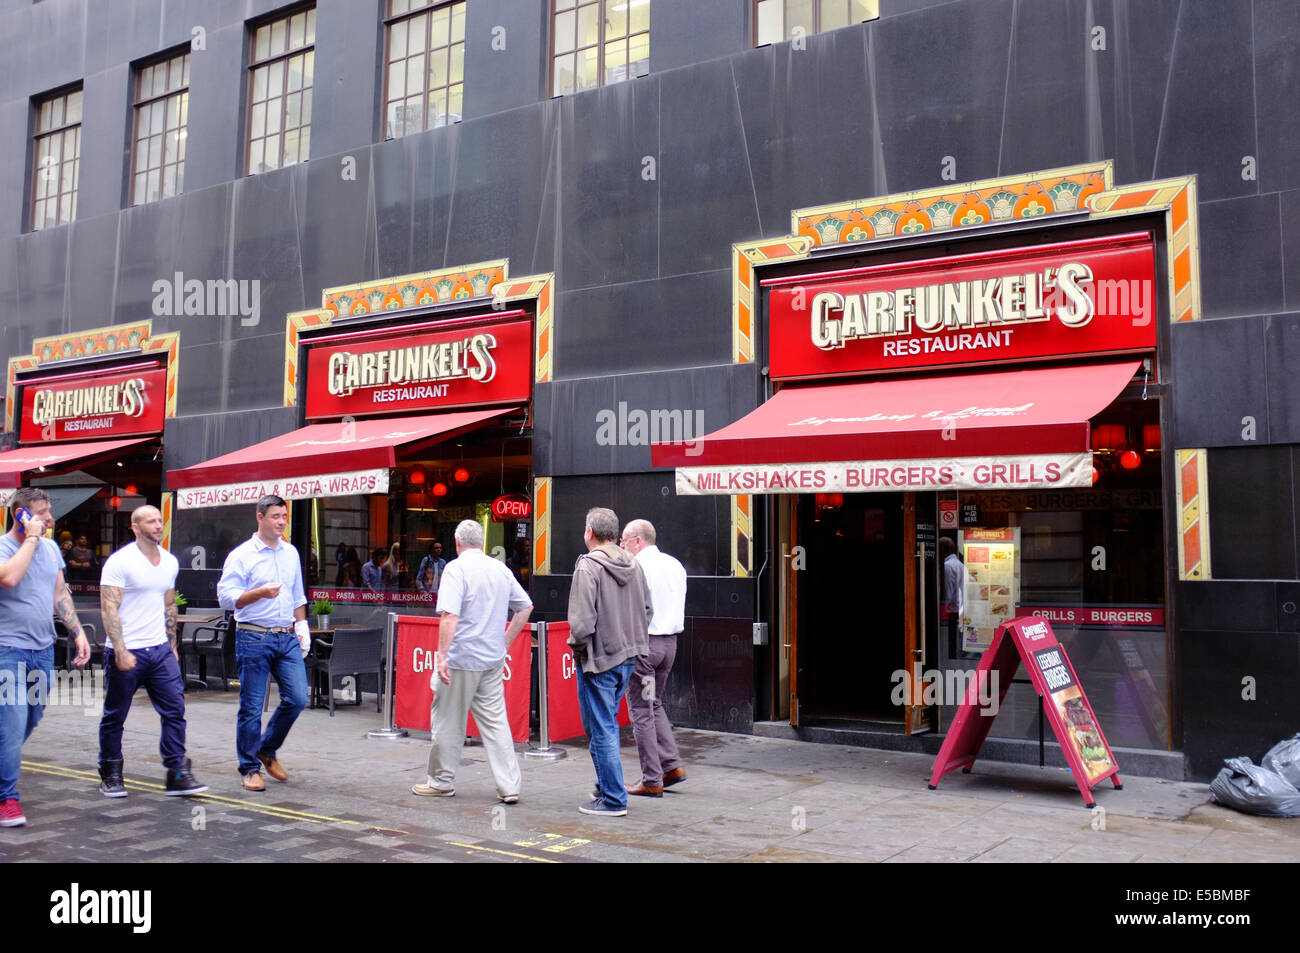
(110, 779)
(598, 806)
(182, 784)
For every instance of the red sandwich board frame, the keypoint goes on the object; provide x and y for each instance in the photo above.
(1030, 640)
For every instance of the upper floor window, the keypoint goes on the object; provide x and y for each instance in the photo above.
(597, 42)
(424, 84)
(56, 157)
(779, 20)
(162, 98)
(280, 82)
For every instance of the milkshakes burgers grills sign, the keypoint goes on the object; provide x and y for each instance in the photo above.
(1069, 298)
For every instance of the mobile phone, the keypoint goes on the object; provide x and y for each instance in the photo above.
(22, 515)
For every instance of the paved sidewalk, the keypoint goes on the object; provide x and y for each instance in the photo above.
(746, 799)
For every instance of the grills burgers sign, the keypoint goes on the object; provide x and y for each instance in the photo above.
(1080, 297)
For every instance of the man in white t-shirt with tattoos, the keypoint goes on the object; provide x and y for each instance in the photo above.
(137, 593)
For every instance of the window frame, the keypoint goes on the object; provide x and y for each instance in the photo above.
(37, 135)
(601, 41)
(253, 64)
(182, 93)
(873, 14)
(390, 19)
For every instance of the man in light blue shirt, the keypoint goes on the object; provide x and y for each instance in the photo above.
(477, 595)
(262, 583)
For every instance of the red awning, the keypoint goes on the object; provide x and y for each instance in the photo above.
(1002, 413)
(15, 463)
(330, 448)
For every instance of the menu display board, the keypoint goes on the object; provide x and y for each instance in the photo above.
(1031, 641)
(992, 558)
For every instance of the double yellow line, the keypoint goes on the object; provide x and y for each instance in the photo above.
(283, 813)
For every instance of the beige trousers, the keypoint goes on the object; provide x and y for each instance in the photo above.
(482, 693)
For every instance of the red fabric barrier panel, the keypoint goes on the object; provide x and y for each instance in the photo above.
(417, 677)
(561, 675)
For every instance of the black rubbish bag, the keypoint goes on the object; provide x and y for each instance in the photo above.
(1247, 787)
(1284, 759)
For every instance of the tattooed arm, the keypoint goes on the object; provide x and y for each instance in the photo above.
(67, 614)
(110, 602)
(170, 613)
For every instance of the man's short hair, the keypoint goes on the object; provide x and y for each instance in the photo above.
(470, 533)
(268, 501)
(603, 523)
(25, 497)
(643, 529)
(135, 515)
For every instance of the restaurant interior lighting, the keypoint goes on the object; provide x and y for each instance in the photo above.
(1130, 460)
(131, 490)
(440, 489)
(1151, 437)
(115, 501)
(461, 475)
(417, 477)
(1108, 436)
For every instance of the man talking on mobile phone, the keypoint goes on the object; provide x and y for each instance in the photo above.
(32, 593)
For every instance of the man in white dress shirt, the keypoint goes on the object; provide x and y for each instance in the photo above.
(661, 766)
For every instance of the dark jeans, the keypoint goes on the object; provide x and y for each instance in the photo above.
(598, 698)
(263, 654)
(157, 670)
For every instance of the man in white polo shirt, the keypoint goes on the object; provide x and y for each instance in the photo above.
(661, 766)
(476, 594)
(137, 595)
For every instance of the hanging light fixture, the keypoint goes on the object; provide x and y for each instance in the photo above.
(115, 501)
(1130, 460)
(1151, 437)
(440, 489)
(461, 475)
(417, 478)
(131, 490)
(1108, 436)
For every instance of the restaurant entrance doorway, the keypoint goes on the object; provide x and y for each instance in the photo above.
(860, 593)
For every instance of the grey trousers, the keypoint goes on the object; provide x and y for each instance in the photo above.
(654, 735)
(484, 694)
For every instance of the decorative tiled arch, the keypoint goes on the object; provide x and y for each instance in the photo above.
(1035, 195)
(102, 341)
(443, 286)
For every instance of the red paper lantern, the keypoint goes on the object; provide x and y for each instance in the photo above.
(416, 478)
(441, 489)
(837, 499)
(1096, 474)
(132, 490)
(115, 501)
(1108, 436)
(1151, 436)
(1130, 460)
(461, 475)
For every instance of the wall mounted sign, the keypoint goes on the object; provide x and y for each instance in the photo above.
(81, 407)
(1066, 298)
(434, 370)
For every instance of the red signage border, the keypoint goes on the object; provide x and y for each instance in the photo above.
(86, 406)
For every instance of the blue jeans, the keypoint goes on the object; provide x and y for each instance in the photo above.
(598, 698)
(259, 655)
(157, 670)
(25, 678)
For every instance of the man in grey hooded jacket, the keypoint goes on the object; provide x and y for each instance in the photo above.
(609, 619)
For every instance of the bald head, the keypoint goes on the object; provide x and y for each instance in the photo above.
(147, 523)
(637, 535)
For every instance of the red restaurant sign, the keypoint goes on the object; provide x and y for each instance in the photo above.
(434, 370)
(512, 506)
(130, 402)
(1066, 298)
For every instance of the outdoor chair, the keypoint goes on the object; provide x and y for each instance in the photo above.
(352, 652)
(215, 642)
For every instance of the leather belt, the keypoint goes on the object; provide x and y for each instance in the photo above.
(262, 628)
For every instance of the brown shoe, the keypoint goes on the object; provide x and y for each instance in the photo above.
(676, 776)
(253, 781)
(274, 768)
(641, 789)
